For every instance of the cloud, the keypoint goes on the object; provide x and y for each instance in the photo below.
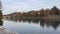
(10, 6)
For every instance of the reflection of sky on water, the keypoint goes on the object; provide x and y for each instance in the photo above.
(30, 28)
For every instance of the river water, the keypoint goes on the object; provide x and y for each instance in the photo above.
(31, 27)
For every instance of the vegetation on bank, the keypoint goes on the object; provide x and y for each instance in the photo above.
(1, 16)
(35, 14)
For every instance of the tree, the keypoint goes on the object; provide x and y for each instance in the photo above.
(1, 15)
(54, 11)
(42, 12)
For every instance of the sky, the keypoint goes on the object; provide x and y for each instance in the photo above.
(10, 6)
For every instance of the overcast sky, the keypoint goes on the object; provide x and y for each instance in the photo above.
(10, 6)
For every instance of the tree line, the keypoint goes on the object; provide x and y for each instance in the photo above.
(34, 14)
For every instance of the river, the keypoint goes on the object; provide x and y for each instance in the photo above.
(29, 27)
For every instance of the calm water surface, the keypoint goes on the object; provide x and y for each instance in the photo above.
(25, 27)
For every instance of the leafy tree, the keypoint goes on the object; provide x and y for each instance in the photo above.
(42, 12)
(1, 15)
(54, 11)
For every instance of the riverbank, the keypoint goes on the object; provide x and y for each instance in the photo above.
(5, 31)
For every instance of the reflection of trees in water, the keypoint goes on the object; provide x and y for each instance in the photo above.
(26, 20)
(42, 22)
(1, 22)
(54, 24)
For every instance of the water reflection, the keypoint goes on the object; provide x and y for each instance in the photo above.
(42, 22)
(54, 24)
